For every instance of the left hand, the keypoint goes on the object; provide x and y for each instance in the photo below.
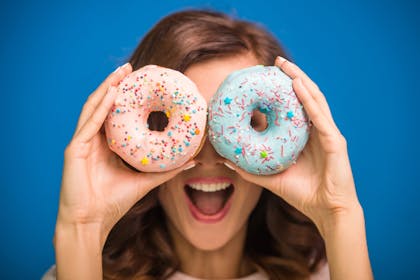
(320, 184)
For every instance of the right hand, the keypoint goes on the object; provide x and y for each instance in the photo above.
(97, 187)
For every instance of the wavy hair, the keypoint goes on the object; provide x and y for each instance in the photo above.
(280, 240)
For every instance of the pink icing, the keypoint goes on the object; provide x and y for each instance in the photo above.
(155, 88)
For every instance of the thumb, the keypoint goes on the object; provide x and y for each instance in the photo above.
(145, 182)
(266, 181)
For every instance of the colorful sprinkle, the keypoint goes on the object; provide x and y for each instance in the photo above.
(238, 151)
(145, 161)
(186, 118)
(290, 115)
(263, 154)
(227, 100)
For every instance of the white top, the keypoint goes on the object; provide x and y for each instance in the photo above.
(322, 274)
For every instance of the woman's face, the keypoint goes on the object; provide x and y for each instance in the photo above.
(209, 219)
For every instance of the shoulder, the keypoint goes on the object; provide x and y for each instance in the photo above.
(255, 276)
(322, 273)
(51, 274)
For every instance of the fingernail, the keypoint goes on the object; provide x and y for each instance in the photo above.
(281, 60)
(121, 67)
(189, 166)
(125, 65)
(229, 166)
(116, 70)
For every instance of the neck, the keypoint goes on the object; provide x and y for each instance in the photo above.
(225, 262)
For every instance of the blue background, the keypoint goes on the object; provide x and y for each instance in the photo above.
(363, 54)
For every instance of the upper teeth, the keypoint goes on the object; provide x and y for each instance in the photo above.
(209, 187)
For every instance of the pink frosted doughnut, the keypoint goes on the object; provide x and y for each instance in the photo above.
(156, 89)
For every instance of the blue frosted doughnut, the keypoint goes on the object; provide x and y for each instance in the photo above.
(270, 91)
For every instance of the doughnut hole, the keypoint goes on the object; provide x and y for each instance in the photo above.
(258, 121)
(157, 121)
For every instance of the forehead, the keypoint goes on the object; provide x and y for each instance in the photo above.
(208, 75)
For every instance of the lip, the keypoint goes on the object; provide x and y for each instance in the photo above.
(209, 219)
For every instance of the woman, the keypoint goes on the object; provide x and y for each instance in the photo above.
(116, 223)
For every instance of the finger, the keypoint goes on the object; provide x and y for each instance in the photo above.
(144, 182)
(96, 97)
(272, 183)
(293, 71)
(264, 181)
(316, 115)
(94, 123)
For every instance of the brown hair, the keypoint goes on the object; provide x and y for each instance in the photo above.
(281, 241)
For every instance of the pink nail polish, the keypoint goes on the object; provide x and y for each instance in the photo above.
(281, 60)
(116, 70)
(189, 166)
(229, 166)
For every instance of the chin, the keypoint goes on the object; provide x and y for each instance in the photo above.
(210, 240)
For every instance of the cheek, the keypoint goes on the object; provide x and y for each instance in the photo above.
(167, 197)
(253, 196)
(249, 197)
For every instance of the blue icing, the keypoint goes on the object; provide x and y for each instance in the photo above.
(271, 93)
(264, 108)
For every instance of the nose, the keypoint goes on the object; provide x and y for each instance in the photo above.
(208, 156)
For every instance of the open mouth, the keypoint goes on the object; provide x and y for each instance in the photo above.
(209, 202)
